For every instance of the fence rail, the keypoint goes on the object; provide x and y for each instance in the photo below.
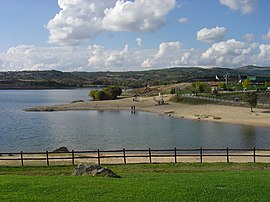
(125, 156)
(213, 98)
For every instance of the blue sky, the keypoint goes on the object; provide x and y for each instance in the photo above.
(123, 35)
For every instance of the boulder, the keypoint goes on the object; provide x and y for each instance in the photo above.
(61, 149)
(94, 170)
(75, 101)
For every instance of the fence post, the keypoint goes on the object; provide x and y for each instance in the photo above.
(201, 155)
(124, 155)
(98, 157)
(73, 160)
(175, 156)
(254, 155)
(228, 160)
(22, 157)
(150, 160)
(47, 155)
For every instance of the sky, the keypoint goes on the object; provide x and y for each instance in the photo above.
(131, 35)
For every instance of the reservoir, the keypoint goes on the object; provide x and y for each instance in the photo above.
(88, 130)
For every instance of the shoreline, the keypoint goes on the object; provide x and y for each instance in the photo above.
(134, 158)
(208, 112)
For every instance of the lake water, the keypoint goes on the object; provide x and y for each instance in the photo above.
(87, 130)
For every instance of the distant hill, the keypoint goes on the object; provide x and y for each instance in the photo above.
(132, 79)
(255, 70)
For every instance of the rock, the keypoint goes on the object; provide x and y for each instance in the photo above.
(61, 149)
(94, 170)
(75, 101)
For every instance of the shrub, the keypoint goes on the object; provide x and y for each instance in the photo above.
(109, 93)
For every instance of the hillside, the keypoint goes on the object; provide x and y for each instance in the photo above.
(132, 79)
(255, 70)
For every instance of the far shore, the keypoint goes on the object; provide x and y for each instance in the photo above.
(208, 112)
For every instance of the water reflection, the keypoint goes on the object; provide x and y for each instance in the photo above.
(248, 137)
(84, 130)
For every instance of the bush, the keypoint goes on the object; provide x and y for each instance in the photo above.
(112, 92)
(172, 91)
(92, 93)
(109, 93)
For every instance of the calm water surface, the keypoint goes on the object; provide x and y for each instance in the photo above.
(84, 130)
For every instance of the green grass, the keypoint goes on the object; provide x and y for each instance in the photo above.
(192, 101)
(139, 182)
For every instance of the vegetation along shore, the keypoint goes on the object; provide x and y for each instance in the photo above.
(210, 112)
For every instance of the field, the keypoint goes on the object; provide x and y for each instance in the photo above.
(139, 182)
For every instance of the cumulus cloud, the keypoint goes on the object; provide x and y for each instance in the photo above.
(166, 53)
(264, 54)
(249, 37)
(245, 6)
(138, 15)
(84, 19)
(229, 53)
(211, 35)
(101, 58)
(170, 54)
(183, 20)
(139, 42)
(24, 57)
(267, 36)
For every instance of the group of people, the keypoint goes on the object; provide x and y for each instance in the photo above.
(133, 109)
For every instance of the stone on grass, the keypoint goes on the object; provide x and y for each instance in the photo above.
(94, 170)
(61, 149)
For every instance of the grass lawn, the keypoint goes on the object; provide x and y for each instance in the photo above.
(140, 182)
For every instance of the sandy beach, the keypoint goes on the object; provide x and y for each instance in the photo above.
(209, 112)
(134, 158)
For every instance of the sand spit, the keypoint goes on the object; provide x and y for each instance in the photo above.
(209, 112)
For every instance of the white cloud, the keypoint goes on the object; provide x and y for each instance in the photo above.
(267, 36)
(264, 54)
(248, 37)
(103, 59)
(167, 48)
(79, 20)
(139, 42)
(211, 35)
(138, 15)
(230, 53)
(25, 57)
(166, 54)
(183, 20)
(245, 6)
(170, 54)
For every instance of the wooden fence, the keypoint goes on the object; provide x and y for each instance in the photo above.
(125, 156)
(213, 98)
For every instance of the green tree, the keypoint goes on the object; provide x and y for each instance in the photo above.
(222, 85)
(109, 93)
(200, 86)
(251, 99)
(246, 83)
(100, 95)
(92, 94)
(113, 91)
